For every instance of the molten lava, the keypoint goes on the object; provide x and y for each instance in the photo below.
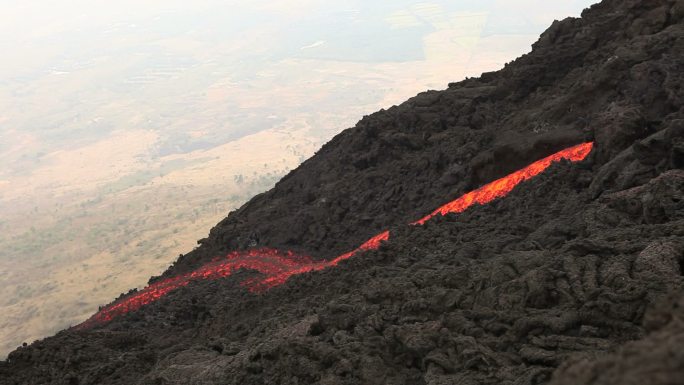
(276, 267)
(501, 187)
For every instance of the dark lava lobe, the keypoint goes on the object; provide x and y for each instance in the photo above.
(575, 277)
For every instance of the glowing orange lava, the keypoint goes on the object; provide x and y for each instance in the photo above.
(501, 187)
(276, 267)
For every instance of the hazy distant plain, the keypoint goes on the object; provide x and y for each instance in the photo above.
(127, 130)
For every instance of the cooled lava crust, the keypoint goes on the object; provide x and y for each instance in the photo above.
(575, 277)
(276, 267)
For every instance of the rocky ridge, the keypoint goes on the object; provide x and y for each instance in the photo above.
(575, 277)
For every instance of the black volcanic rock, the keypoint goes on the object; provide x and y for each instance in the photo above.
(604, 77)
(575, 277)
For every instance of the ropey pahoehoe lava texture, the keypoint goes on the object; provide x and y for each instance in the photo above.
(574, 277)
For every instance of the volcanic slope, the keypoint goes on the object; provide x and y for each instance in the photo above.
(574, 277)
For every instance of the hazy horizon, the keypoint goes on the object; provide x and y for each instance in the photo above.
(128, 129)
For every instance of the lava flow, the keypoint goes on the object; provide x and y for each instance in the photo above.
(276, 267)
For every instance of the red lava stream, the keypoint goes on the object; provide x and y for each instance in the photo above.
(276, 267)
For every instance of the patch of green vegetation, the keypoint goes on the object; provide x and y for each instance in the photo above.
(143, 177)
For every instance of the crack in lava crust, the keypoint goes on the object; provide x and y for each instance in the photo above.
(276, 267)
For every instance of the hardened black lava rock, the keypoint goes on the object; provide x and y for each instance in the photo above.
(574, 278)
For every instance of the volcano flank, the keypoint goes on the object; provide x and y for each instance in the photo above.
(523, 227)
